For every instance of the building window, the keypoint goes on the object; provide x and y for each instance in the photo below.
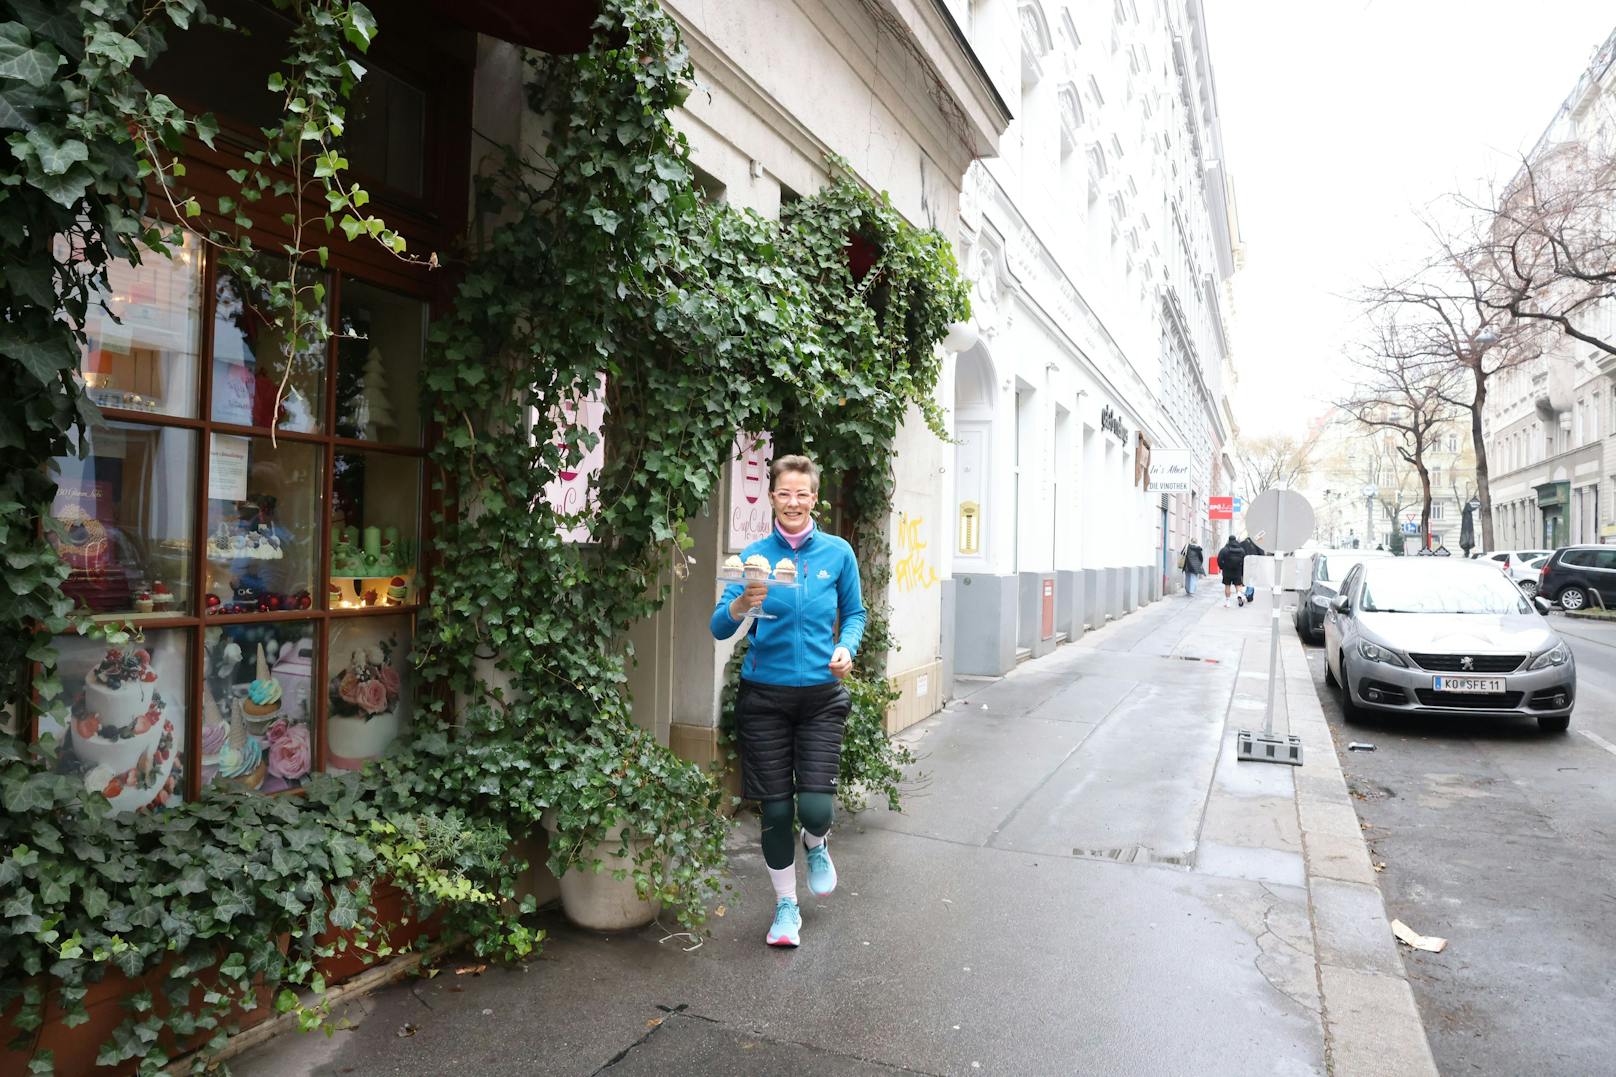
(255, 569)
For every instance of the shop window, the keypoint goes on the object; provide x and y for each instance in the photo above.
(258, 705)
(125, 731)
(379, 350)
(369, 695)
(122, 521)
(386, 134)
(375, 540)
(263, 524)
(143, 333)
(259, 377)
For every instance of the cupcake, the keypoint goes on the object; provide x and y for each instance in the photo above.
(733, 566)
(333, 596)
(162, 598)
(263, 700)
(785, 570)
(757, 567)
(241, 760)
(143, 602)
(397, 591)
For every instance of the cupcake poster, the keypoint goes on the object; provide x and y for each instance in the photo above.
(750, 516)
(124, 737)
(257, 730)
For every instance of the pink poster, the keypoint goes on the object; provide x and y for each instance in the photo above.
(572, 490)
(750, 515)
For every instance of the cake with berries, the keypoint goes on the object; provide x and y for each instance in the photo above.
(121, 732)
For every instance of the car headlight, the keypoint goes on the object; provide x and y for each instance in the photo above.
(1559, 655)
(1375, 653)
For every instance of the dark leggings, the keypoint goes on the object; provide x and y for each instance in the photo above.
(780, 837)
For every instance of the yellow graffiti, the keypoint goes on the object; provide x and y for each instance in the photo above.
(912, 571)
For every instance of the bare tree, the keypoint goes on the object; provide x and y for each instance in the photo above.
(1446, 320)
(1549, 249)
(1406, 398)
(1277, 460)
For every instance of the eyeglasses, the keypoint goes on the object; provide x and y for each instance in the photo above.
(788, 497)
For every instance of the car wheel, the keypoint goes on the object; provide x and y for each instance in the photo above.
(1350, 711)
(1554, 724)
(1573, 598)
(1329, 674)
(1529, 588)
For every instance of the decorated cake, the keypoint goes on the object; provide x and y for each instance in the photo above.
(364, 698)
(120, 732)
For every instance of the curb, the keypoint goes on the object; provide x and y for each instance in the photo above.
(1372, 1024)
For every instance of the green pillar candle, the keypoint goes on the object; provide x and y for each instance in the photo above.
(373, 541)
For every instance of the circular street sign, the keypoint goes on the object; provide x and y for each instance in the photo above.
(1369, 489)
(1284, 515)
(1474, 504)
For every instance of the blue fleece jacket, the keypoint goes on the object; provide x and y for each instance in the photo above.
(795, 650)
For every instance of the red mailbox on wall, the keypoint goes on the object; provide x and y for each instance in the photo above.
(1049, 610)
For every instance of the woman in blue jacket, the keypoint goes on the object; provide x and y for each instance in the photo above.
(792, 707)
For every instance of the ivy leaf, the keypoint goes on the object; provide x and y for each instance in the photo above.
(55, 158)
(22, 59)
(30, 794)
(360, 27)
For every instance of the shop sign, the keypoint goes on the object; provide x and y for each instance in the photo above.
(1220, 508)
(1170, 471)
(750, 515)
(571, 492)
(1111, 423)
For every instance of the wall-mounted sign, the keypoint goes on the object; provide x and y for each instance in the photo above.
(572, 492)
(1170, 472)
(750, 515)
(1111, 423)
(1220, 508)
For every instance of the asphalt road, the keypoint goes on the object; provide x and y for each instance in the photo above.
(1499, 838)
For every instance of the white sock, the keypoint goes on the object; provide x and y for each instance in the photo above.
(812, 841)
(785, 882)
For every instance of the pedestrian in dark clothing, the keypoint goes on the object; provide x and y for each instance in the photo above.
(1232, 563)
(1192, 561)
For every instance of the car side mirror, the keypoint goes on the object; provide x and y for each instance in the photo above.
(1543, 605)
(1340, 604)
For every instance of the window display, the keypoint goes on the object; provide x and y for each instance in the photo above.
(253, 362)
(143, 332)
(369, 700)
(263, 523)
(375, 530)
(258, 707)
(379, 365)
(123, 520)
(125, 733)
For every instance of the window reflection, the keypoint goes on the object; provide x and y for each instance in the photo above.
(260, 378)
(143, 355)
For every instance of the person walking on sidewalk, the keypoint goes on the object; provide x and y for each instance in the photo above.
(791, 708)
(1192, 560)
(1232, 563)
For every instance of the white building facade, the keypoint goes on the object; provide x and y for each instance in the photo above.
(1100, 244)
(1549, 424)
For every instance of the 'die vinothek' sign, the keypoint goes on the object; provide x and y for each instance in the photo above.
(1169, 471)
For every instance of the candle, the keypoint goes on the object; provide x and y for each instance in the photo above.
(373, 541)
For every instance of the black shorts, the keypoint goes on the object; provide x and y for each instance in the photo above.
(790, 739)
(1233, 577)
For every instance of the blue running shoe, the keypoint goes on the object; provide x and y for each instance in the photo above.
(787, 922)
(821, 872)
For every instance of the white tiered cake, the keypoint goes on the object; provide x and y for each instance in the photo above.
(120, 731)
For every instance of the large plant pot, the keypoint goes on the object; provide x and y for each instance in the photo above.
(392, 907)
(74, 1049)
(598, 900)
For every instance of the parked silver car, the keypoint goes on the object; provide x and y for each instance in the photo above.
(1330, 567)
(1444, 637)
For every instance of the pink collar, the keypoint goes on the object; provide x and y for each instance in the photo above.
(795, 541)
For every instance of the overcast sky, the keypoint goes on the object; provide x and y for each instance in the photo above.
(1341, 120)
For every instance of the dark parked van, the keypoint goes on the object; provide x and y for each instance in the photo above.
(1580, 576)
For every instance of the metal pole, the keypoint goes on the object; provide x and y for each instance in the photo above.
(1369, 518)
(1273, 632)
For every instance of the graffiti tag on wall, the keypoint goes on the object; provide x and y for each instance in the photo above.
(911, 570)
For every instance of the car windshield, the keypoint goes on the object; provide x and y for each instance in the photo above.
(1335, 567)
(1423, 588)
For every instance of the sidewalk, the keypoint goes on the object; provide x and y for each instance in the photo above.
(1083, 880)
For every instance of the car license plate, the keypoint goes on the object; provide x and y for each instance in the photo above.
(1468, 684)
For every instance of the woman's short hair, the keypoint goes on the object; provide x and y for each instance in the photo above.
(800, 464)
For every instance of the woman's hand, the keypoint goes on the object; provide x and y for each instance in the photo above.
(841, 662)
(749, 599)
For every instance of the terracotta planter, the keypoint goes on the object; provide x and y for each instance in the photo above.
(598, 900)
(392, 906)
(74, 1049)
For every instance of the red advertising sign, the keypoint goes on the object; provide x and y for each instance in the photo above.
(1220, 508)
